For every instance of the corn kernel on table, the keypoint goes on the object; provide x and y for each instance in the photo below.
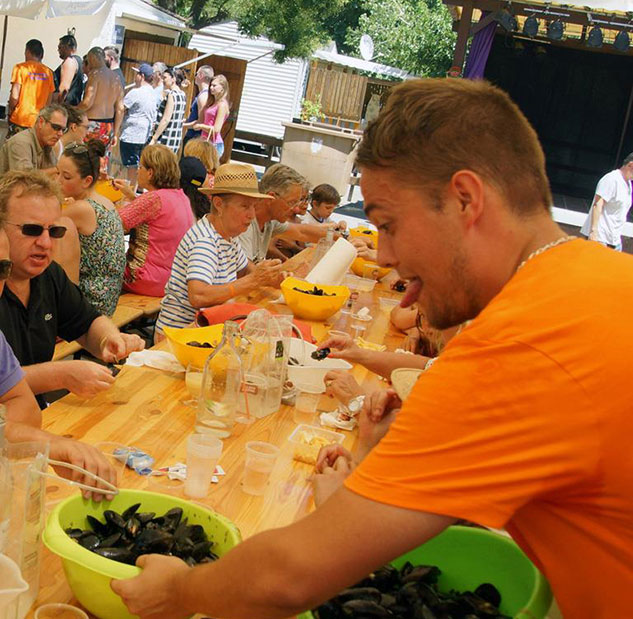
(146, 408)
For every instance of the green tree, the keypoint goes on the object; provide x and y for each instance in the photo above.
(414, 35)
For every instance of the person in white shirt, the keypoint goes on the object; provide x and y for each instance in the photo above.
(610, 207)
(323, 201)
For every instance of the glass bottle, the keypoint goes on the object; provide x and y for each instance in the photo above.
(221, 381)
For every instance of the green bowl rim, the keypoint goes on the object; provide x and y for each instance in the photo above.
(54, 535)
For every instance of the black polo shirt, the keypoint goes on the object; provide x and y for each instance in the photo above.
(56, 308)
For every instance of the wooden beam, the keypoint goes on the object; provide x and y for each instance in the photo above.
(463, 32)
(482, 23)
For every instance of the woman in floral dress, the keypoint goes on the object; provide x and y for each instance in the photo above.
(99, 227)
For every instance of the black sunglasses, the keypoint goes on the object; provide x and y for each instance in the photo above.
(55, 232)
(56, 127)
(5, 268)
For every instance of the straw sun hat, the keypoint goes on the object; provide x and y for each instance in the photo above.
(235, 178)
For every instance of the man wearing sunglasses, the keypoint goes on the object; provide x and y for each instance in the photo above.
(40, 303)
(33, 149)
(24, 418)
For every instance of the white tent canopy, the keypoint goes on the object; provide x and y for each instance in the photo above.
(31, 9)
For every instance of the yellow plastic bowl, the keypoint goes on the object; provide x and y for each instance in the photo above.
(193, 355)
(363, 232)
(366, 268)
(89, 575)
(309, 306)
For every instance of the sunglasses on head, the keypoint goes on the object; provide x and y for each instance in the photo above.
(5, 268)
(76, 148)
(55, 232)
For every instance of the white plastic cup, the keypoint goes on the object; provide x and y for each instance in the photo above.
(259, 463)
(203, 453)
(306, 402)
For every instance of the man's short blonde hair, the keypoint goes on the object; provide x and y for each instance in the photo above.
(205, 151)
(279, 178)
(17, 183)
(432, 128)
(163, 163)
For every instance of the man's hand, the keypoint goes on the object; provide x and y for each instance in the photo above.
(342, 347)
(378, 412)
(341, 385)
(153, 594)
(593, 235)
(85, 378)
(334, 464)
(114, 141)
(118, 346)
(85, 456)
(268, 273)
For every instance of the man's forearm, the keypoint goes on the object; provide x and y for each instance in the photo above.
(208, 295)
(100, 329)
(383, 363)
(45, 377)
(595, 215)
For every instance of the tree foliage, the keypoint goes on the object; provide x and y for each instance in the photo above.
(414, 35)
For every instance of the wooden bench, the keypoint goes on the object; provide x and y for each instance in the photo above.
(123, 315)
(149, 306)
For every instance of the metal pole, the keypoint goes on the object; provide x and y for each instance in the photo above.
(4, 43)
(618, 157)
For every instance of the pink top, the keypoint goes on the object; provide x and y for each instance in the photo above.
(157, 221)
(210, 115)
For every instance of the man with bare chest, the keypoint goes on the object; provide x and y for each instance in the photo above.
(103, 99)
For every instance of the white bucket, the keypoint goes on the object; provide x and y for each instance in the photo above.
(11, 584)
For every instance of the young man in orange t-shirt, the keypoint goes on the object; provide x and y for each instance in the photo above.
(32, 88)
(524, 421)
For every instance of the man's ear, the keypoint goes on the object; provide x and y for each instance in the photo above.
(467, 188)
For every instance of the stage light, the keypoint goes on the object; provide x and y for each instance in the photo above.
(594, 39)
(622, 41)
(530, 26)
(555, 30)
(507, 20)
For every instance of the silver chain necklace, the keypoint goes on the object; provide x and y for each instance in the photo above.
(540, 250)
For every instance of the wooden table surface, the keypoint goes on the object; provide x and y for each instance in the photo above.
(146, 408)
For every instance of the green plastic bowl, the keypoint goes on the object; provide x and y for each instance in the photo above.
(469, 557)
(89, 575)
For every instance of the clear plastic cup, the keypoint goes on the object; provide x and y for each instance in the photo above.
(59, 611)
(260, 461)
(306, 402)
(116, 453)
(203, 453)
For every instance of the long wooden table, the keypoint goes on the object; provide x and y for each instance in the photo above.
(146, 408)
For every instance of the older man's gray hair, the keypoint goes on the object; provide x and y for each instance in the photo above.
(49, 110)
(280, 178)
(159, 67)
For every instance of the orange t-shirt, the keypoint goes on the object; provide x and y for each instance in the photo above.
(525, 422)
(37, 84)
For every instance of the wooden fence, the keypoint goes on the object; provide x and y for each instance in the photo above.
(342, 92)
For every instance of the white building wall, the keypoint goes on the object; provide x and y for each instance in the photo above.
(272, 92)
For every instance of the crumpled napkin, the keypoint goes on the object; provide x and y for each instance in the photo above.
(157, 359)
(334, 420)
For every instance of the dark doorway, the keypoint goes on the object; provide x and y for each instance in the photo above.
(576, 100)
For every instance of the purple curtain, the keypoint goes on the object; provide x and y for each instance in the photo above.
(479, 50)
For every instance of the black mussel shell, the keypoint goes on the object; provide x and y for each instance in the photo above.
(122, 555)
(98, 527)
(321, 354)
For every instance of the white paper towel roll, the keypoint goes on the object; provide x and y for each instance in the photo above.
(331, 269)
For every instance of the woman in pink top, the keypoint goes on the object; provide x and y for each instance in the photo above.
(214, 113)
(157, 220)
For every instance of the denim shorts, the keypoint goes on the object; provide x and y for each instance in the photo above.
(131, 154)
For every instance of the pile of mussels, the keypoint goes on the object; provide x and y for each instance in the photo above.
(410, 593)
(317, 292)
(125, 536)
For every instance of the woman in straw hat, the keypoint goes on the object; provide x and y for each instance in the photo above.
(210, 266)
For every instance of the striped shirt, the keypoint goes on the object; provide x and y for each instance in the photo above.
(203, 255)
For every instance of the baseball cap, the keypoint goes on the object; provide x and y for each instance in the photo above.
(144, 69)
(192, 171)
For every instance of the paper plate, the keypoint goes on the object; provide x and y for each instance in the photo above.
(403, 380)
